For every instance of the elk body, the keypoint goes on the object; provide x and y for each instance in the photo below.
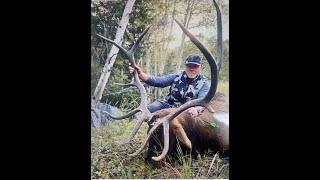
(198, 134)
(195, 133)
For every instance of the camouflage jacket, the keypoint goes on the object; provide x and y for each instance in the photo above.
(182, 88)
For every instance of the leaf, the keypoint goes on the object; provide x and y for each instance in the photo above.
(213, 123)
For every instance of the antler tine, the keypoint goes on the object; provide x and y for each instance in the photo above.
(219, 36)
(141, 147)
(120, 84)
(124, 116)
(118, 46)
(134, 47)
(144, 143)
(146, 114)
(143, 94)
(142, 90)
(136, 44)
(134, 132)
(166, 141)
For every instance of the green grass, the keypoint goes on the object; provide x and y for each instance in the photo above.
(109, 159)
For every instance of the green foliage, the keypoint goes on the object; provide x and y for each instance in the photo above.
(185, 161)
(223, 87)
(95, 74)
(224, 71)
(213, 123)
(105, 17)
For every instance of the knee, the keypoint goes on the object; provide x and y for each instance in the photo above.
(155, 106)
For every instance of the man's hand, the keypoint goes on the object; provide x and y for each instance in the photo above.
(131, 69)
(143, 76)
(193, 111)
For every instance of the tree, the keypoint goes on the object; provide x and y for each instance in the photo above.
(186, 20)
(113, 53)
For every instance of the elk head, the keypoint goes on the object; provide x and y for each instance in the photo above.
(146, 115)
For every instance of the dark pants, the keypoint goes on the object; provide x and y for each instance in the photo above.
(157, 105)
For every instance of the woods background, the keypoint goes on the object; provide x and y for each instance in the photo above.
(164, 48)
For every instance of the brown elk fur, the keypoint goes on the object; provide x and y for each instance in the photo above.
(194, 133)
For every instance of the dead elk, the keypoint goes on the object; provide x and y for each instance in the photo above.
(195, 134)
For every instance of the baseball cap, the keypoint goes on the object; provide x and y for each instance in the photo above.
(193, 59)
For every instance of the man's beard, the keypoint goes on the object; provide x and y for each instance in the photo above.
(192, 75)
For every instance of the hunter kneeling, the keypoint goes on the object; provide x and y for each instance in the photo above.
(185, 86)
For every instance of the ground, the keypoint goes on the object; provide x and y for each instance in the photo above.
(109, 159)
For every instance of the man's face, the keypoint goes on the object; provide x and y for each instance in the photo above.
(192, 70)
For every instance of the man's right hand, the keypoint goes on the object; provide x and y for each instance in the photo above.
(131, 69)
(143, 76)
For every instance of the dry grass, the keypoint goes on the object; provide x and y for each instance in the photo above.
(110, 160)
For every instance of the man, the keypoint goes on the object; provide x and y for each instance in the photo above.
(185, 86)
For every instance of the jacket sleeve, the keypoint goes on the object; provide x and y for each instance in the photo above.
(161, 81)
(204, 90)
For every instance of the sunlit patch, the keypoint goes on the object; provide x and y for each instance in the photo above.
(222, 117)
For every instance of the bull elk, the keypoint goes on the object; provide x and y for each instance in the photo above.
(195, 133)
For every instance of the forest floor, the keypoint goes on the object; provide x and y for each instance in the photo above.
(110, 160)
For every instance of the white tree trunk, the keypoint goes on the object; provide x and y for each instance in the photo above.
(112, 54)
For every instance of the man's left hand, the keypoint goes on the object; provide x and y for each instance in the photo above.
(193, 111)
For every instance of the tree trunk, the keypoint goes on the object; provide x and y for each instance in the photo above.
(112, 54)
(172, 21)
(164, 47)
(186, 21)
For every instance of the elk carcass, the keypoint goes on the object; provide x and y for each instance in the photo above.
(198, 134)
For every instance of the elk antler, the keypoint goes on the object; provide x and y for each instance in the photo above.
(219, 36)
(145, 113)
(196, 102)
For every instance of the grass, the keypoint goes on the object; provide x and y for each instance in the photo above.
(109, 159)
(223, 87)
